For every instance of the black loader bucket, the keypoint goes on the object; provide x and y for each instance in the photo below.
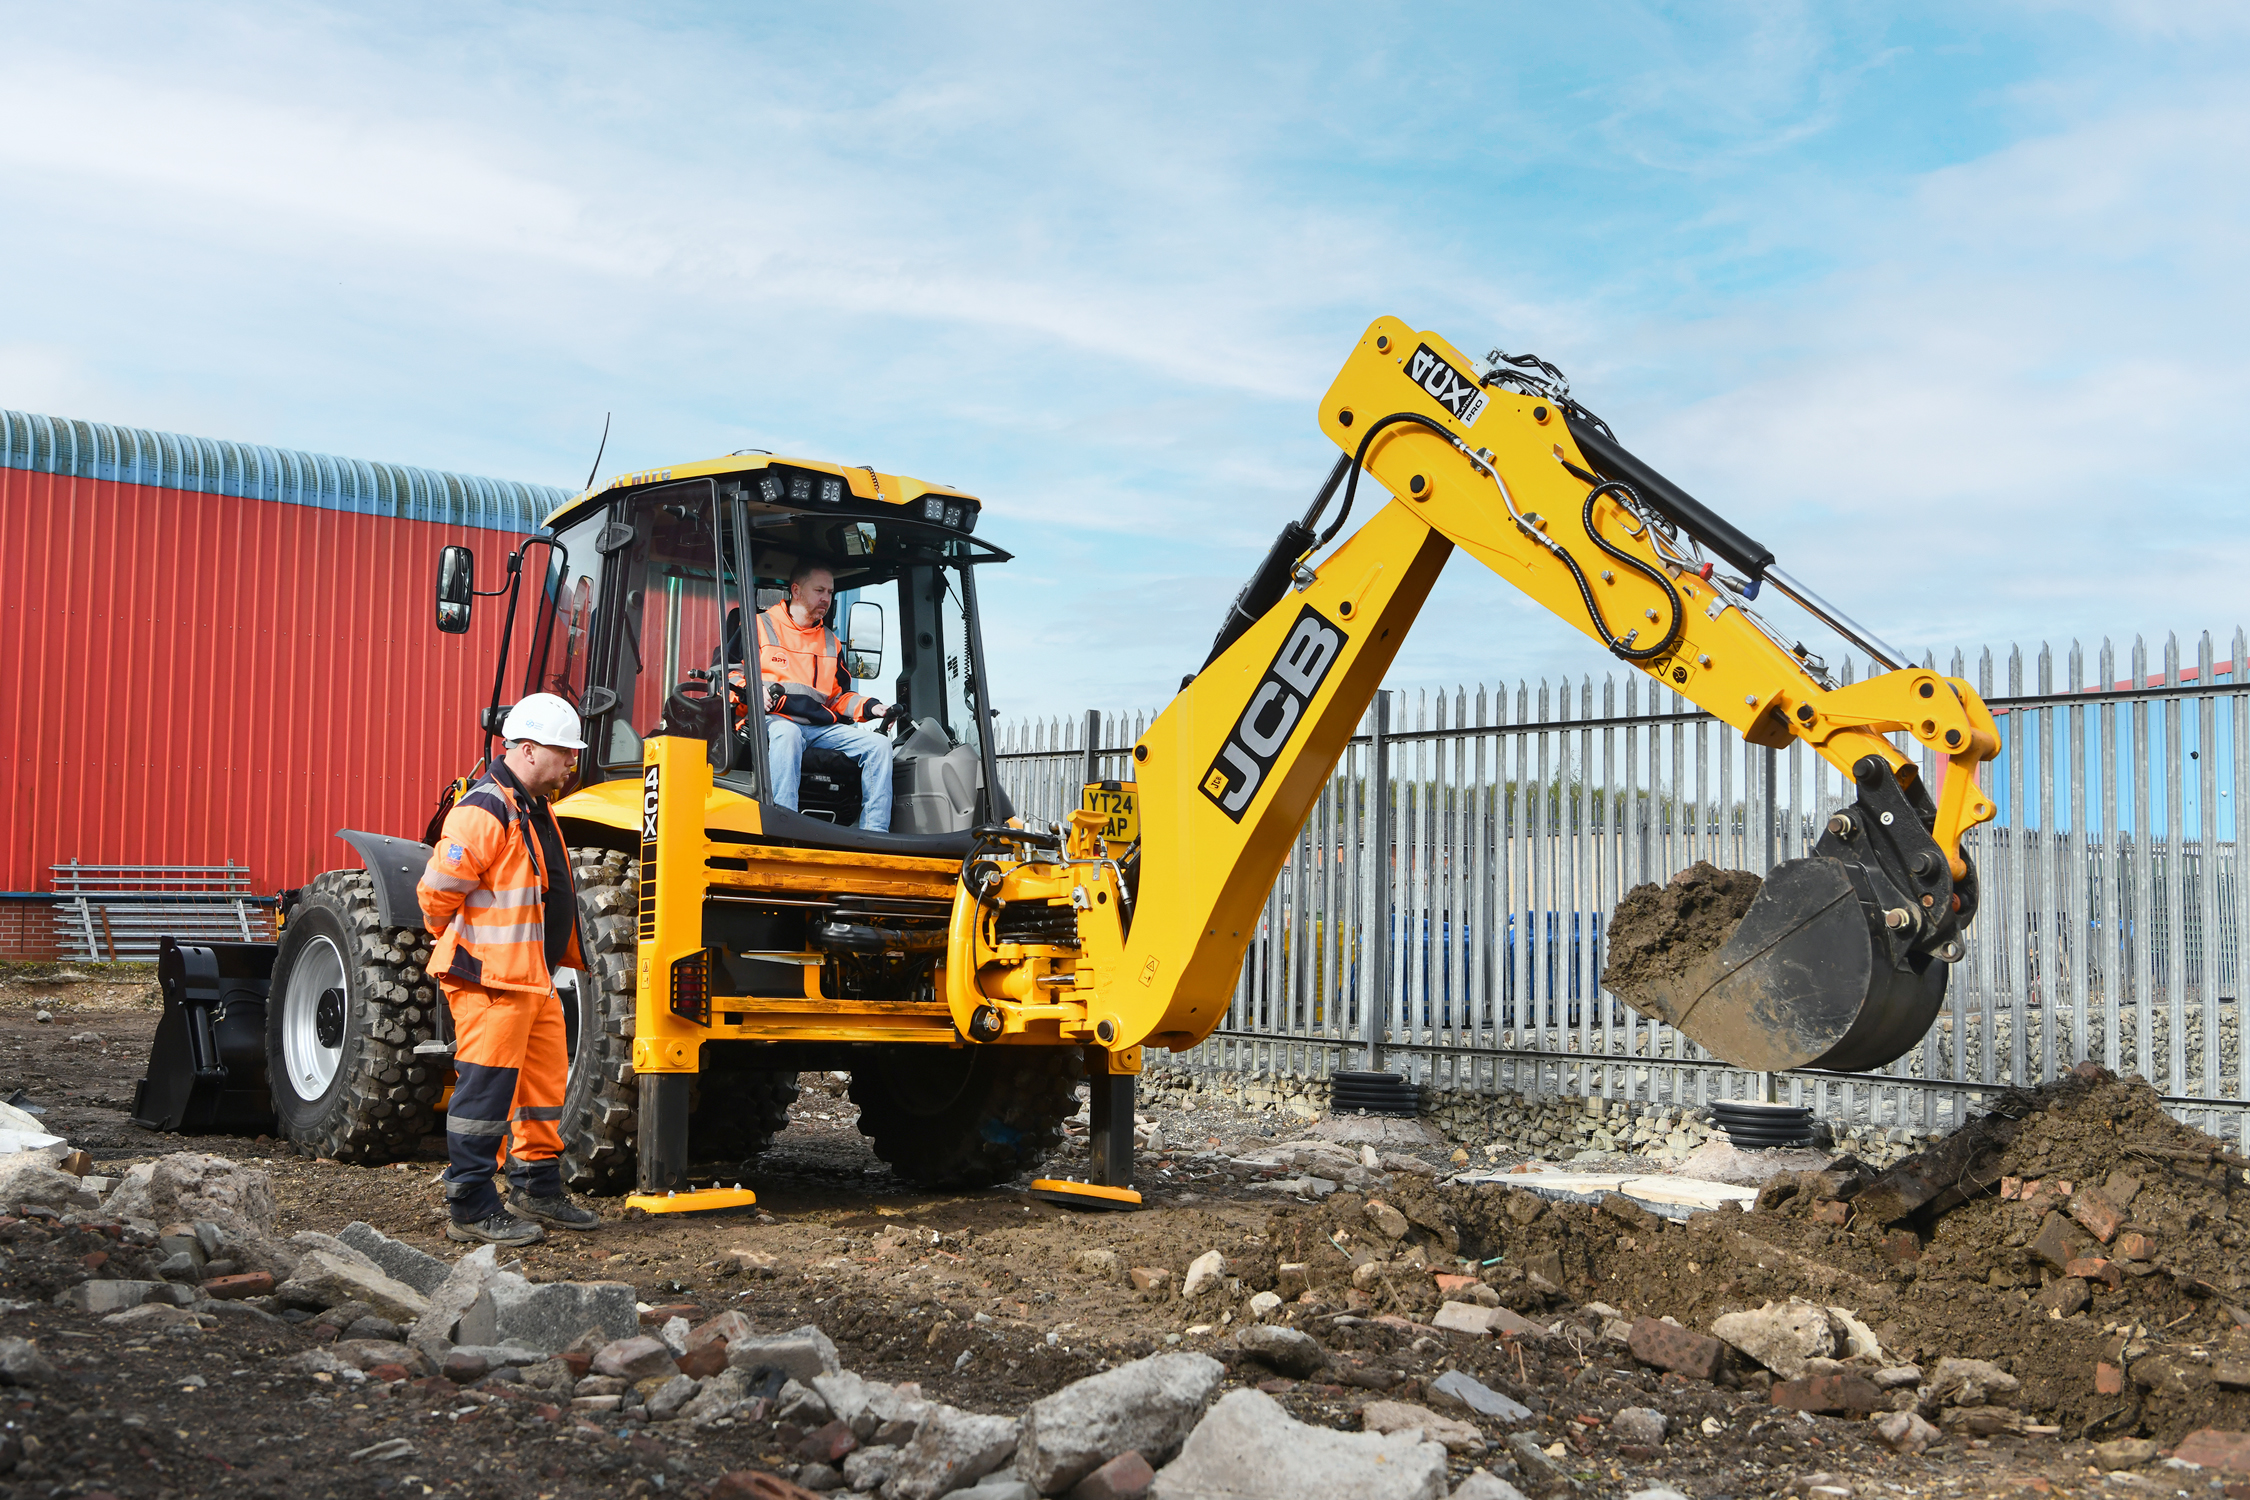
(1841, 960)
(207, 1066)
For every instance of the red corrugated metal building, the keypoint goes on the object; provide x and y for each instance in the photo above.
(215, 652)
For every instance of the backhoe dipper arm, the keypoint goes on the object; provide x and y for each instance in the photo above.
(1537, 492)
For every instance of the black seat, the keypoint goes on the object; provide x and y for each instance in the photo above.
(796, 831)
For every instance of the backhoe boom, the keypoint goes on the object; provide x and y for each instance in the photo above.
(1228, 773)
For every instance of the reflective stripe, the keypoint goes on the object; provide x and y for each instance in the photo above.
(517, 932)
(767, 633)
(538, 1112)
(437, 882)
(454, 1125)
(525, 896)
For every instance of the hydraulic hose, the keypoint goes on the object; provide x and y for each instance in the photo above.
(1618, 648)
(1359, 460)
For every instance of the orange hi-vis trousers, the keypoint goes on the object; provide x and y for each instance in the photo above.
(510, 1061)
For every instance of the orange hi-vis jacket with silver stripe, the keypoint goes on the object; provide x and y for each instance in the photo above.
(809, 666)
(484, 892)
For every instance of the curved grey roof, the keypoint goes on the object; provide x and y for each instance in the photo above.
(135, 455)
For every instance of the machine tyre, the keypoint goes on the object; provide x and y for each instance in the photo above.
(970, 1117)
(601, 1098)
(735, 1111)
(349, 1001)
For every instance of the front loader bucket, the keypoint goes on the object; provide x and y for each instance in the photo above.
(207, 1065)
(1810, 979)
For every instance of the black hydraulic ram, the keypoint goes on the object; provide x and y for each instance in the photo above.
(1714, 531)
(1669, 500)
(1271, 581)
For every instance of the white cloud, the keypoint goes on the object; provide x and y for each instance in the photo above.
(1096, 269)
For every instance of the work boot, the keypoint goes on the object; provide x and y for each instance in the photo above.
(556, 1211)
(498, 1229)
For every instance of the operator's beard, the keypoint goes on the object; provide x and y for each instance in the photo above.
(804, 617)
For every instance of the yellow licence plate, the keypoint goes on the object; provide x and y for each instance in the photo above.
(1119, 803)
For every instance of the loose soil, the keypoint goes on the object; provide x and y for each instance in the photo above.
(1660, 929)
(981, 1298)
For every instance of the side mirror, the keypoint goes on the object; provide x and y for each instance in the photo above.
(456, 589)
(864, 640)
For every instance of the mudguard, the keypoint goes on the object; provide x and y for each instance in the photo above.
(397, 866)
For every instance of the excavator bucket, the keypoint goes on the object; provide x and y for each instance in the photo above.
(1806, 981)
(1840, 962)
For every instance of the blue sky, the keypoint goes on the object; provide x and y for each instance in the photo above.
(1944, 304)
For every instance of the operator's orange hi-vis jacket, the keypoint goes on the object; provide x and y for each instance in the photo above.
(484, 896)
(809, 666)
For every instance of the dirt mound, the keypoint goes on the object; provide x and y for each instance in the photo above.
(2109, 1338)
(1661, 929)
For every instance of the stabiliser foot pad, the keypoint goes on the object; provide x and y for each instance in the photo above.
(1090, 1195)
(693, 1201)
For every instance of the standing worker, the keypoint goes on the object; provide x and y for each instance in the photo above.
(498, 895)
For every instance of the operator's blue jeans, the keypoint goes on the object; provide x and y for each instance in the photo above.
(786, 743)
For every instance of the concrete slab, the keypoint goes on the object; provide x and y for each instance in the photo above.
(1671, 1197)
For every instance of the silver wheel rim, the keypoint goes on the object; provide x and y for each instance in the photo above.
(312, 1067)
(573, 987)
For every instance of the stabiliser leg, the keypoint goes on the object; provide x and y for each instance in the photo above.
(1109, 1144)
(663, 1165)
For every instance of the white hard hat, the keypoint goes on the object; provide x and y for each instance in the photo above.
(543, 719)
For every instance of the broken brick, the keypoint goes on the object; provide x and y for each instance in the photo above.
(704, 1360)
(1148, 1278)
(827, 1443)
(2101, 1217)
(2109, 1379)
(1828, 1393)
(1448, 1283)
(657, 1317)
(2058, 1242)
(2216, 1448)
(1670, 1347)
(1834, 1211)
(2094, 1268)
(2064, 1297)
(2134, 1245)
(235, 1288)
(1900, 1247)
(756, 1484)
(1125, 1477)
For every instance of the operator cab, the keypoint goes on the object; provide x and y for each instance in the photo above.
(647, 622)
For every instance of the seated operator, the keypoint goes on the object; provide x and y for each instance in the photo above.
(809, 700)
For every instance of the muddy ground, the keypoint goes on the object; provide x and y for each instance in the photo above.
(979, 1298)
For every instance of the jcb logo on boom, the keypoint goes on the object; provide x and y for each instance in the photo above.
(1275, 710)
(1451, 389)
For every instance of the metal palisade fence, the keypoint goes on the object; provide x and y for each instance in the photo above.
(2111, 925)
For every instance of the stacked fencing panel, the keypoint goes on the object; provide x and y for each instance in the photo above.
(1459, 919)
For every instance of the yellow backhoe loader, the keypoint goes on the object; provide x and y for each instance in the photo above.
(969, 969)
